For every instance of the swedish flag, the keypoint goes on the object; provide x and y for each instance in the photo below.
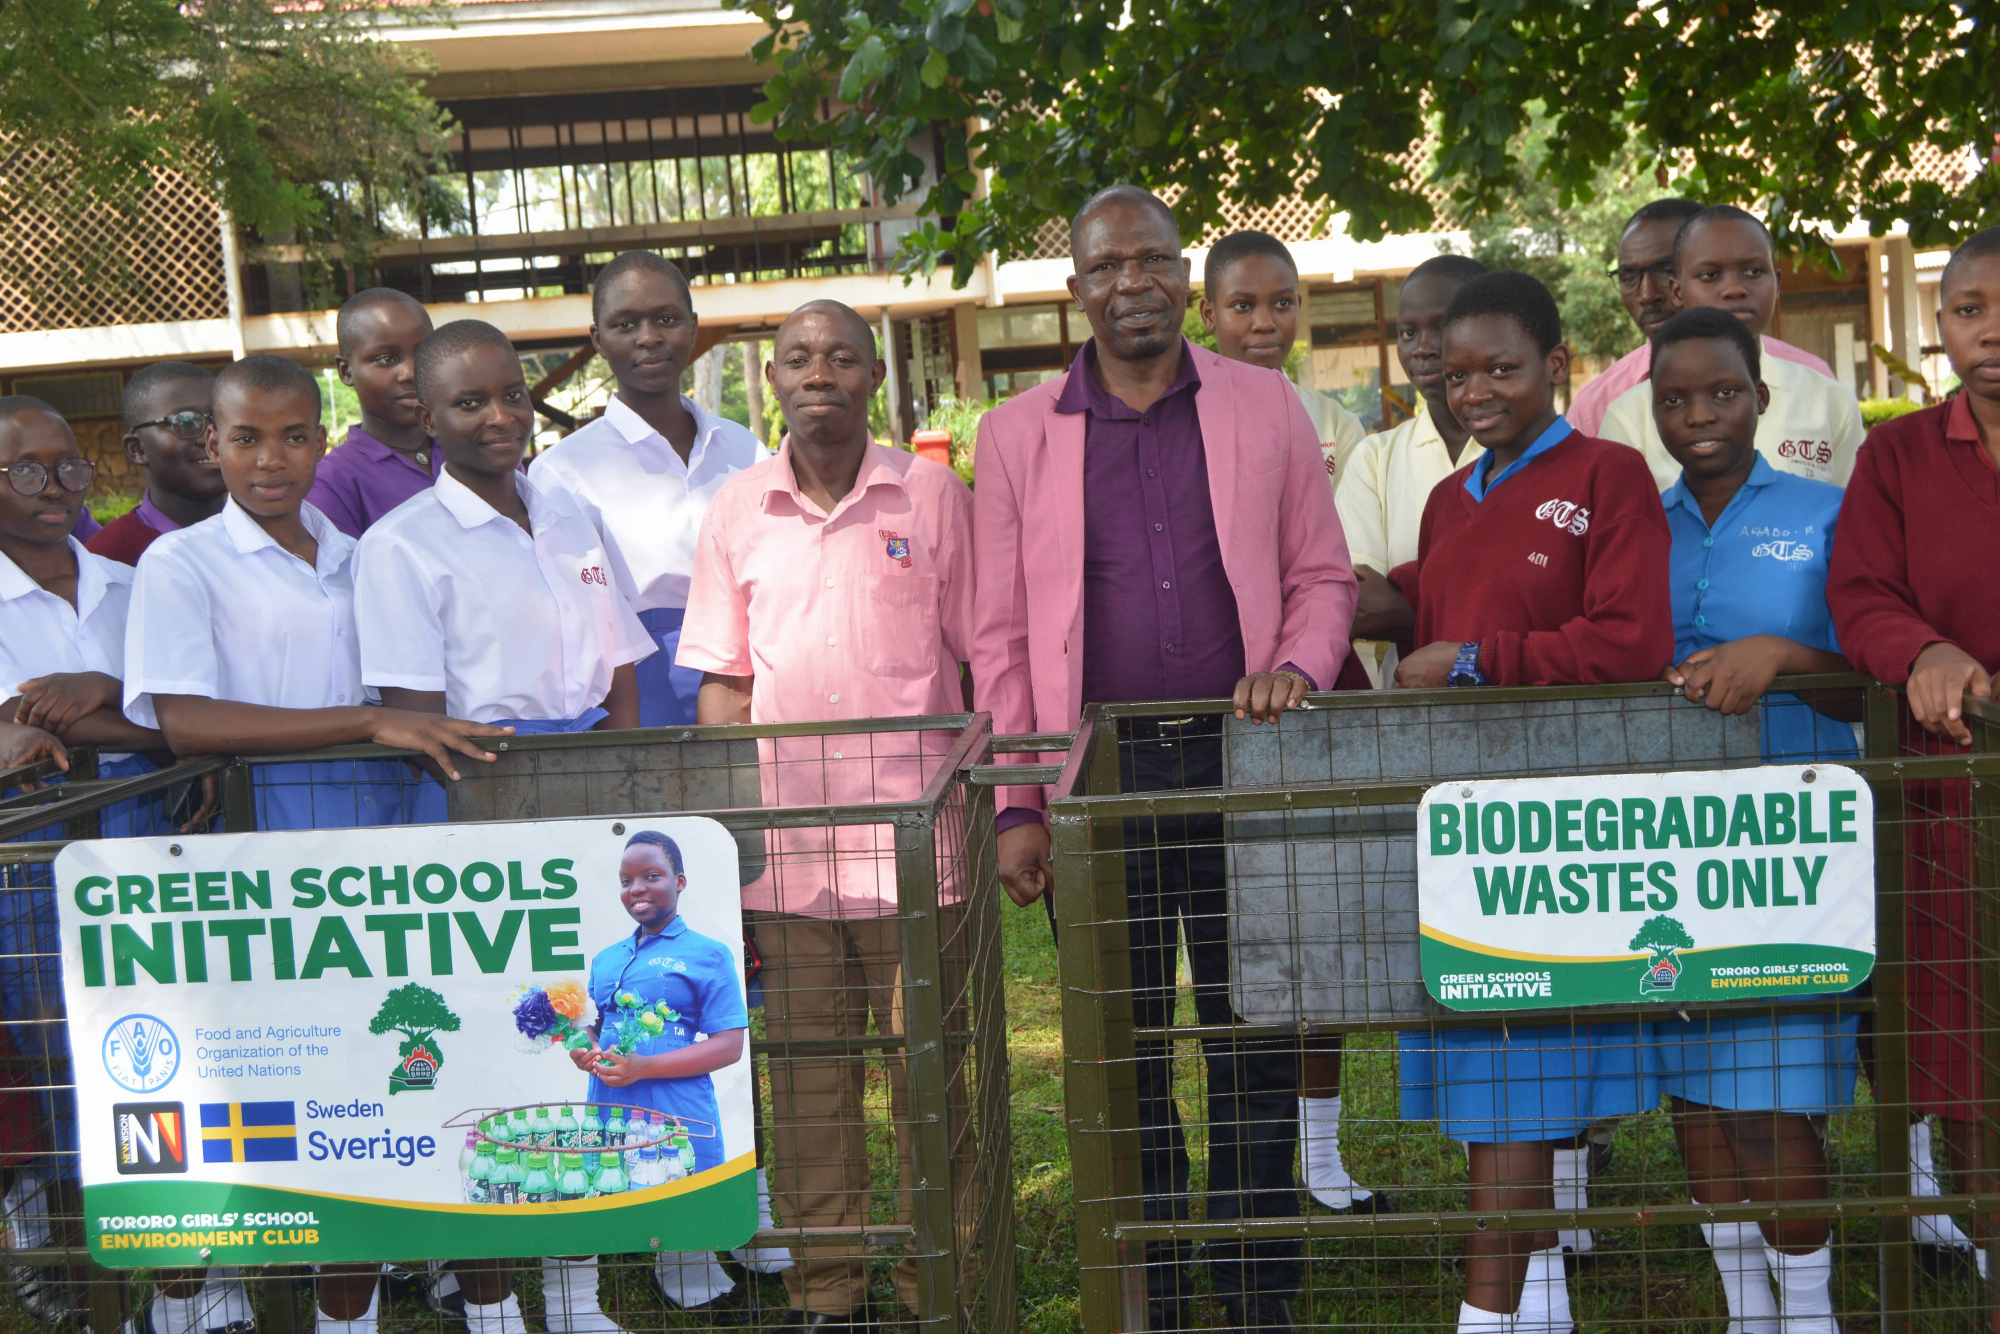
(249, 1132)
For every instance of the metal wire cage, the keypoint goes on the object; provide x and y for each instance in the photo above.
(879, 1053)
(1236, 910)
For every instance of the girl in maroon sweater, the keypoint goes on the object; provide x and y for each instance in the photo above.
(1544, 562)
(1915, 593)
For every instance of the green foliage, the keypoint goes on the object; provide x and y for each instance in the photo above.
(1197, 333)
(961, 417)
(1875, 411)
(415, 1011)
(1569, 244)
(308, 128)
(1661, 935)
(1813, 110)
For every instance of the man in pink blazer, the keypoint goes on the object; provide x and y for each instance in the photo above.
(1156, 525)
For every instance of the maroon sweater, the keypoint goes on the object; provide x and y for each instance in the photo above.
(1918, 559)
(123, 539)
(1560, 573)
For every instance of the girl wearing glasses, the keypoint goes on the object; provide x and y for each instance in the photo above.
(167, 408)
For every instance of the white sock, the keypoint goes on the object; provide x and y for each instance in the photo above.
(502, 1317)
(1545, 1296)
(1931, 1229)
(764, 1259)
(691, 1278)
(1319, 1149)
(1472, 1320)
(1573, 1192)
(569, 1298)
(174, 1315)
(1805, 1290)
(362, 1324)
(1746, 1276)
(27, 1207)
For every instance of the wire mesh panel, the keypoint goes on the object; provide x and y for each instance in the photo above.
(879, 1050)
(1266, 1104)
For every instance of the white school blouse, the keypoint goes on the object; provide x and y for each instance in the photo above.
(221, 611)
(40, 634)
(626, 479)
(451, 595)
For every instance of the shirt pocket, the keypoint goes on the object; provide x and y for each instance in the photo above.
(899, 625)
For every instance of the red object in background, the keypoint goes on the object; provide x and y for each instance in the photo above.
(932, 445)
(21, 1137)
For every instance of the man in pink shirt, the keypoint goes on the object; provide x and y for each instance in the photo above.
(834, 581)
(1644, 275)
(1156, 525)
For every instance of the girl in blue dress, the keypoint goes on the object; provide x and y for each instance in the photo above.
(1751, 547)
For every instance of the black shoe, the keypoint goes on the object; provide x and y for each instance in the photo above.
(1375, 1202)
(1947, 1264)
(1270, 1314)
(1169, 1314)
(856, 1321)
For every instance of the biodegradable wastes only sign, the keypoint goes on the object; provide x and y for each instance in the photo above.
(1741, 884)
(282, 1043)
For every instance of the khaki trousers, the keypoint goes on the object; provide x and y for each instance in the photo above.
(826, 979)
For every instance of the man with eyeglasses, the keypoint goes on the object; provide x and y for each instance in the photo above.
(166, 409)
(1644, 274)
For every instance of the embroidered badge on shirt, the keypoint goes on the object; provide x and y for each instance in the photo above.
(1567, 515)
(899, 547)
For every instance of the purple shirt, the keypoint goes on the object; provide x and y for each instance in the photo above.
(1159, 616)
(150, 515)
(364, 479)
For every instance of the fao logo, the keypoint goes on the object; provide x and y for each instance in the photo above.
(141, 1054)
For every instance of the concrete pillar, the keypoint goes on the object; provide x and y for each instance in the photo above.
(753, 386)
(970, 373)
(892, 387)
(707, 391)
(1904, 306)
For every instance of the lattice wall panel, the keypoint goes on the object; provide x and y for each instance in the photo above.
(67, 262)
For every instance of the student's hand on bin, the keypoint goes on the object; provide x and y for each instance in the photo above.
(1429, 668)
(435, 736)
(1380, 610)
(1262, 697)
(59, 700)
(21, 745)
(1026, 872)
(1940, 679)
(1732, 677)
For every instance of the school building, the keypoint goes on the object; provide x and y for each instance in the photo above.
(592, 126)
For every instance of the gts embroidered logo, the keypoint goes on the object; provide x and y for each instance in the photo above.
(1567, 515)
(1786, 551)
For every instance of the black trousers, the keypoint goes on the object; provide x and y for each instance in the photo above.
(1176, 882)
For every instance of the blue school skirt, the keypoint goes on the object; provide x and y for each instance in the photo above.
(330, 794)
(424, 797)
(666, 692)
(1523, 1084)
(31, 957)
(1802, 1063)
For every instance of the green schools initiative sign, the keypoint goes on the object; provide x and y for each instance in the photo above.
(1740, 884)
(290, 1048)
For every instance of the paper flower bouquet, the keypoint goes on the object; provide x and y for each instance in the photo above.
(557, 1014)
(636, 1021)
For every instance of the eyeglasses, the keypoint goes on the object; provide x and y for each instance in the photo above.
(29, 478)
(1629, 276)
(186, 425)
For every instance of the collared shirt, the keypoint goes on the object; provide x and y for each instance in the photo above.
(1919, 555)
(1477, 484)
(865, 612)
(701, 980)
(452, 595)
(1586, 410)
(221, 611)
(1390, 477)
(1159, 615)
(40, 633)
(1338, 429)
(1760, 569)
(126, 537)
(625, 478)
(364, 479)
(1812, 428)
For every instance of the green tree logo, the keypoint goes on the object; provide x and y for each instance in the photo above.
(419, 1014)
(1661, 936)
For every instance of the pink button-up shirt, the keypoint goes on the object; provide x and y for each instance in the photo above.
(862, 613)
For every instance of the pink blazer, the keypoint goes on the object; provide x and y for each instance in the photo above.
(1282, 547)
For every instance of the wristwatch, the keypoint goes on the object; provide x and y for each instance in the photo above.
(1465, 671)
